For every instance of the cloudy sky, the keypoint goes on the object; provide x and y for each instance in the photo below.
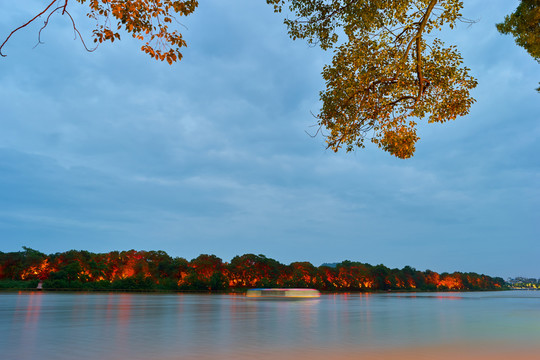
(111, 150)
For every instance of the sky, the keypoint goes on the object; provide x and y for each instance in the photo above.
(111, 150)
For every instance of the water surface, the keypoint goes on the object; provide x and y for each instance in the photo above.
(189, 326)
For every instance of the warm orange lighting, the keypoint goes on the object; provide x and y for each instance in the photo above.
(451, 282)
(246, 271)
(40, 271)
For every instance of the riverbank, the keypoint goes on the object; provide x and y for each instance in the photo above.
(234, 291)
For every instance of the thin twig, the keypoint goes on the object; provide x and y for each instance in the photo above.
(45, 23)
(77, 31)
(22, 26)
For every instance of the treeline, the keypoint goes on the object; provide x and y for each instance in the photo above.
(523, 283)
(156, 270)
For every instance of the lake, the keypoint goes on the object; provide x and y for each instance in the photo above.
(102, 326)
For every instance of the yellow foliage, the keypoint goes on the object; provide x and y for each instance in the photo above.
(386, 73)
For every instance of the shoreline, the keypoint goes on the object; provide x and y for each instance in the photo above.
(243, 291)
(447, 351)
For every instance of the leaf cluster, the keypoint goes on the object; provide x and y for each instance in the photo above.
(151, 21)
(386, 73)
(147, 20)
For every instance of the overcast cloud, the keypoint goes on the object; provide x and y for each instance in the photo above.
(111, 150)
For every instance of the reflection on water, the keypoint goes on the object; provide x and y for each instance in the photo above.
(175, 326)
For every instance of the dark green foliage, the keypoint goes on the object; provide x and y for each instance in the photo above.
(18, 284)
(12, 265)
(167, 284)
(60, 284)
(194, 282)
(69, 272)
(133, 283)
(218, 281)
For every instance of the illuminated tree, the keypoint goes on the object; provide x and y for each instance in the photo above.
(118, 270)
(203, 273)
(380, 275)
(250, 270)
(354, 276)
(303, 275)
(388, 73)
(151, 21)
(329, 277)
(97, 267)
(415, 278)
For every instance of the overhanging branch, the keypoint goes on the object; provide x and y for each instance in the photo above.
(421, 27)
(25, 25)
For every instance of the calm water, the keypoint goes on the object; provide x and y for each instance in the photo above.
(142, 326)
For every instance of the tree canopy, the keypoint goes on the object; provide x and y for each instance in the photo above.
(151, 21)
(386, 74)
(155, 270)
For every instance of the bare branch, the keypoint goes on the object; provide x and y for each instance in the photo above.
(319, 129)
(45, 23)
(25, 25)
(77, 31)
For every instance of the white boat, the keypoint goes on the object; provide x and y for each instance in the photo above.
(283, 293)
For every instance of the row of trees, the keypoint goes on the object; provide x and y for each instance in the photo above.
(156, 270)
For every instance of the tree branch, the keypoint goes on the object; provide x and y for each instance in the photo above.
(77, 31)
(23, 26)
(419, 50)
(64, 6)
(45, 23)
